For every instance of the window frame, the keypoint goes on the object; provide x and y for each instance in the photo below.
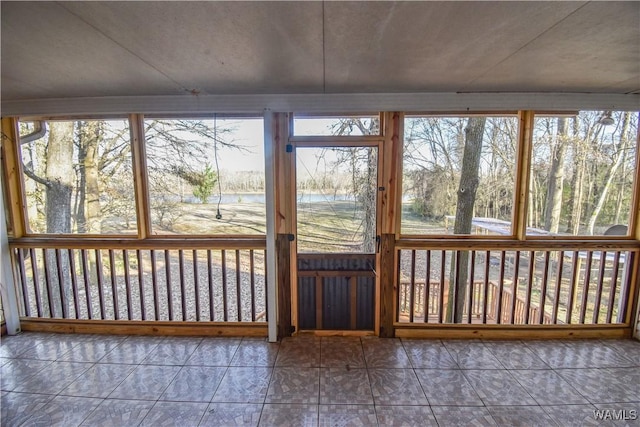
(144, 178)
(21, 177)
(513, 235)
(635, 188)
(336, 138)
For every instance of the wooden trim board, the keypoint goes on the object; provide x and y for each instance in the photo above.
(121, 327)
(512, 332)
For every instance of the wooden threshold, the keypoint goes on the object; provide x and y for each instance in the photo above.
(336, 273)
(513, 332)
(121, 327)
(335, 333)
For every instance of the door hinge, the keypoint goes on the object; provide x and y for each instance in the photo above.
(292, 237)
(378, 241)
(289, 148)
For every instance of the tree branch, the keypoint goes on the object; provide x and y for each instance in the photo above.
(34, 177)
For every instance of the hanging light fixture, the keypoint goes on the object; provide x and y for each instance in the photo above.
(606, 119)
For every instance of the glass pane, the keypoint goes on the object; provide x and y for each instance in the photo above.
(206, 176)
(345, 125)
(78, 176)
(582, 173)
(336, 199)
(458, 175)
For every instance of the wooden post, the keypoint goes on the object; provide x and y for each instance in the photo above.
(140, 177)
(387, 284)
(391, 173)
(284, 198)
(283, 250)
(634, 220)
(288, 188)
(525, 137)
(270, 252)
(389, 207)
(12, 172)
(280, 222)
(633, 312)
(629, 290)
(283, 174)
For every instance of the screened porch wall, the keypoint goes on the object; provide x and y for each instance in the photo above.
(603, 301)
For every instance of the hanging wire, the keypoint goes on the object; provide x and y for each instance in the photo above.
(215, 155)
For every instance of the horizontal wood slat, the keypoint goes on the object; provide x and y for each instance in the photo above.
(514, 332)
(120, 327)
(183, 242)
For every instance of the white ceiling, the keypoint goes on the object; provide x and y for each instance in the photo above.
(98, 49)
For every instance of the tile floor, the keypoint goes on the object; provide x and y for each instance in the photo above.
(92, 380)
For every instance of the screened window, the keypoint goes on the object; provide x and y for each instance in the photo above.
(582, 173)
(336, 198)
(336, 125)
(78, 176)
(206, 176)
(458, 175)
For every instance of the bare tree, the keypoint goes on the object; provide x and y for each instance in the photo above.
(431, 154)
(469, 180)
(577, 181)
(363, 179)
(178, 152)
(580, 174)
(555, 185)
(58, 180)
(620, 149)
(88, 212)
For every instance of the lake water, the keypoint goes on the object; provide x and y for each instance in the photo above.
(260, 198)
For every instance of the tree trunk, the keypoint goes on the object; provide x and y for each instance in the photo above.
(59, 177)
(467, 189)
(369, 202)
(577, 182)
(621, 189)
(81, 194)
(364, 182)
(93, 133)
(88, 210)
(553, 206)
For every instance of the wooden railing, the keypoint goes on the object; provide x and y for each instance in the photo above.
(224, 281)
(550, 286)
(522, 313)
(155, 280)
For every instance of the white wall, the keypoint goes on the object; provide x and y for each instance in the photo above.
(7, 288)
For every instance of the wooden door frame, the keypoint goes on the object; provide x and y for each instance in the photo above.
(295, 142)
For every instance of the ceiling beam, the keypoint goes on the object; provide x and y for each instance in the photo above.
(321, 103)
